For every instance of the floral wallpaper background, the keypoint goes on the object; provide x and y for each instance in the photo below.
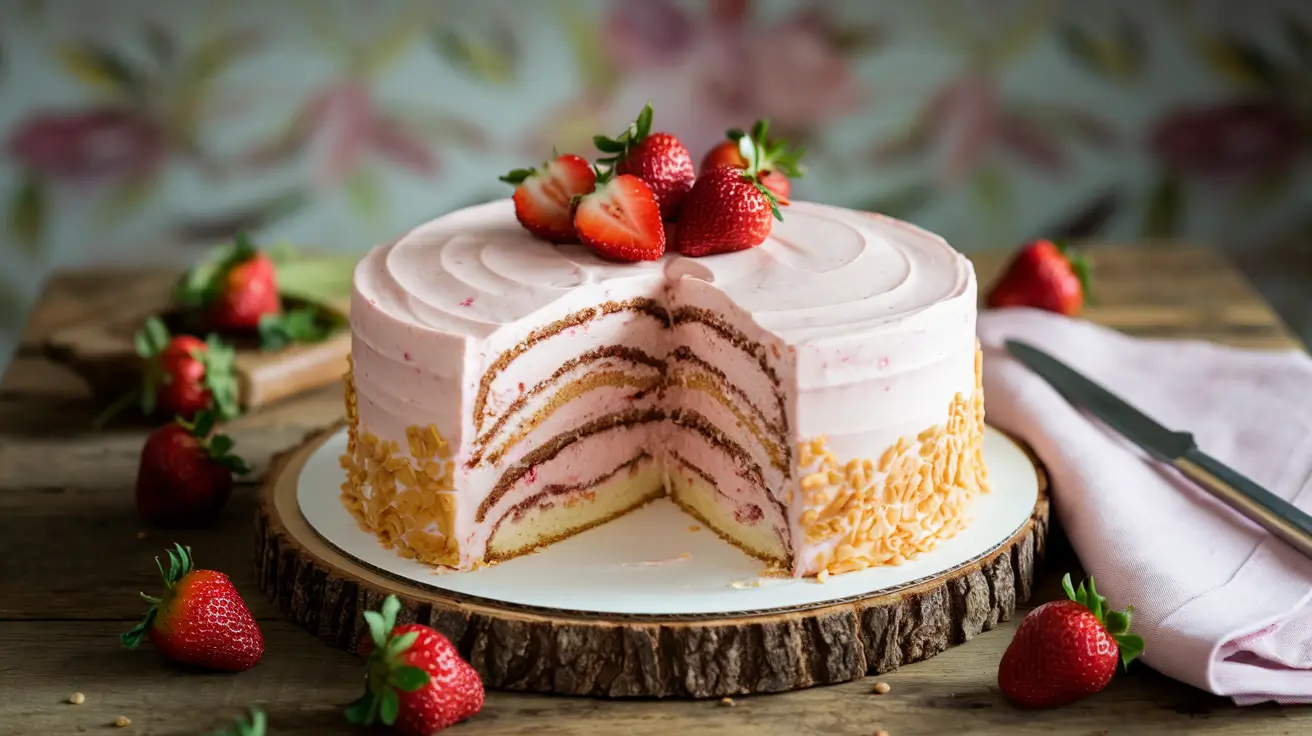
(138, 131)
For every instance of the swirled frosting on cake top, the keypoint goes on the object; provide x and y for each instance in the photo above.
(823, 272)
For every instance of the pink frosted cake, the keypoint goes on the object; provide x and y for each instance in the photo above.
(815, 400)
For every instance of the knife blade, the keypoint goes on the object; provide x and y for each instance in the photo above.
(1279, 517)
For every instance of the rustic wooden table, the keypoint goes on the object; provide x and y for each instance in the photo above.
(74, 559)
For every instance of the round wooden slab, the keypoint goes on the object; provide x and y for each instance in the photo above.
(516, 648)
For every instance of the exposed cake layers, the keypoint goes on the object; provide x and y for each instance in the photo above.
(815, 399)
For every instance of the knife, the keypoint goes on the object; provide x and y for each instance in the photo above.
(1240, 493)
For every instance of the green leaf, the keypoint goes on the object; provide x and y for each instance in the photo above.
(606, 144)
(27, 214)
(517, 176)
(307, 324)
(377, 630)
(642, 126)
(389, 706)
(202, 424)
(1066, 586)
(484, 59)
(1164, 208)
(101, 69)
(357, 713)
(391, 608)
(1131, 646)
(1095, 601)
(408, 678)
(220, 445)
(399, 644)
(365, 193)
(1118, 622)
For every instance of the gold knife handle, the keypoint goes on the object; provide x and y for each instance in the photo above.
(1276, 515)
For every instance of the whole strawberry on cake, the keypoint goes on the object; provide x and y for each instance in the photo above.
(801, 378)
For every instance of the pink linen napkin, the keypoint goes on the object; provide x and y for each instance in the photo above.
(1220, 603)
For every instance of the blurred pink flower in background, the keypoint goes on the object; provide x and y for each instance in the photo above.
(343, 126)
(709, 72)
(1228, 142)
(109, 144)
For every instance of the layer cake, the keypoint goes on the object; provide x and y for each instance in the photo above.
(814, 400)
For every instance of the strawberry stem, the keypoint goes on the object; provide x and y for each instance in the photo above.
(1117, 623)
(257, 725)
(217, 447)
(617, 148)
(387, 674)
(774, 155)
(180, 565)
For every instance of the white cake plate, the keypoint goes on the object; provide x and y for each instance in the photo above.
(643, 605)
(650, 562)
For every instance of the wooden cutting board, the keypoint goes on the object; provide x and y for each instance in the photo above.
(101, 350)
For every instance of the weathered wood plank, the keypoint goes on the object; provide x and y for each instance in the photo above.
(304, 685)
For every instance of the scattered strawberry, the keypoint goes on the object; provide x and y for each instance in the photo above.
(257, 725)
(621, 220)
(659, 159)
(200, 620)
(231, 293)
(416, 680)
(181, 377)
(1067, 650)
(779, 162)
(544, 198)
(728, 208)
(1043, 275)
(184, 477)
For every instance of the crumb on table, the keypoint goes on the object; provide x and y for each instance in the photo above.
(882, 687)
(122, 722)
(727, 702)
(77, 698)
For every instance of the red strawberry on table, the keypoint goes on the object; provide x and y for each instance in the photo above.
(416, 681)
(620, 220)
(232, 292)
(200, 619)
(544, 197)
(728, 209)
(1067, 650)
(779, 162)
(184, 477)
(659, 159)
(1043, 275)
(182, 375)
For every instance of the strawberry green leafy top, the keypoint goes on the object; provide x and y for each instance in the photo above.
(1117, 622)
(388, 674)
